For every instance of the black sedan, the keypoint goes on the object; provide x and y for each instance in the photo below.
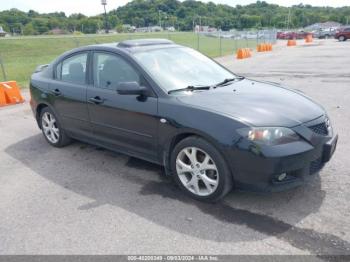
(211, 129)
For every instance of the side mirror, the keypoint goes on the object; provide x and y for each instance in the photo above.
(131, 88)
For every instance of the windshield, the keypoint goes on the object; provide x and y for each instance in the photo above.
(180, 67)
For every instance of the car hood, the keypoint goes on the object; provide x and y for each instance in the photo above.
(256, 103)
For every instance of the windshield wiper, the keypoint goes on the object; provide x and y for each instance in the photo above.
(189, 88)
(199, 87)
(228, 80)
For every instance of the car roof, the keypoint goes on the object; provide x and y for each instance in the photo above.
(137, 45)
(127, 46)
(144, 42)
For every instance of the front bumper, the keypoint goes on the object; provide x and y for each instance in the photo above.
(256, 168)
(299, 176)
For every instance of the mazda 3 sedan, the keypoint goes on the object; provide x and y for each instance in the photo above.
(212, 130)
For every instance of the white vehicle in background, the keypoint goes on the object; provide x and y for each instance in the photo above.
(2, 32)
(325, 33)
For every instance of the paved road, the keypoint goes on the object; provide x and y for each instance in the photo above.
(86, 200)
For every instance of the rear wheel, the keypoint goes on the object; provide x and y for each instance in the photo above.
(342, 38)
(200, 170)
(52, 130)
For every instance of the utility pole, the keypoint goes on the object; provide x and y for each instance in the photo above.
(220, 38)
(3, 69)
(104, 3)
(194, 30)
(288, 18)
(159, 17)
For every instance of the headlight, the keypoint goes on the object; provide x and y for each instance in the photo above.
(269, 135)
(329, 126)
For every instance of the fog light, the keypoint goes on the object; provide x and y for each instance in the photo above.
(281, 176)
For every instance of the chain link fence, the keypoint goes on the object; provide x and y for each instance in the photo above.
(21, 55)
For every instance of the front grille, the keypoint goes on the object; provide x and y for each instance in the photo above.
(316, 166)
(320, 129)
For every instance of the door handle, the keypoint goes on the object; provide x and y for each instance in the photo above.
(56, 92)
(96, 100)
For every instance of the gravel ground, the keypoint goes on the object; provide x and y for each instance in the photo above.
(87, 200)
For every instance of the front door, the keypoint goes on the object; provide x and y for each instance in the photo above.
(124, 122)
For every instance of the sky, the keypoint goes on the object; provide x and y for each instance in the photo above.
(93, 7)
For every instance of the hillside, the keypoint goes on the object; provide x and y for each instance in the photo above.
(182, 15)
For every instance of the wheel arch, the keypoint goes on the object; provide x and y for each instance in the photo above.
(38, 110)
(183, 134)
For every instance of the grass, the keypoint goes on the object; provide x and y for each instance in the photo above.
(21, 55)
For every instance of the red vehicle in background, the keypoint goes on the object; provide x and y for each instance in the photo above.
(343, 34)
(292, 35)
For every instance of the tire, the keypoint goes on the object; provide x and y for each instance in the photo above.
(52, 129)
(342, 38)
(207, 175)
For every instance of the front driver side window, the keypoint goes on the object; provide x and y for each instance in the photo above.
(73, 69)
(110, 70)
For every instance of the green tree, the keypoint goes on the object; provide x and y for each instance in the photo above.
(41, 25)
(29, 29)
(119, 28)
(90, 25)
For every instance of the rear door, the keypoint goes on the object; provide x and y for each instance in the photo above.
(125, 122)
(68, 93)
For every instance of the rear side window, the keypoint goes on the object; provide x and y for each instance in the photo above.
(110, 70)
(73, 69)
(58, 71)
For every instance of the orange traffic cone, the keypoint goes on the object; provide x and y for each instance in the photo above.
(291, 43)
(11, 92)
(246, 52)
(2, 97)
(240, 53)
(265, 47)
(308, 38)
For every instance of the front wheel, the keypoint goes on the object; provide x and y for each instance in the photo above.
(52, 130)
(200, 170)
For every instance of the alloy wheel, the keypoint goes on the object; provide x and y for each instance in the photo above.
(197, 171)
(49, 126)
